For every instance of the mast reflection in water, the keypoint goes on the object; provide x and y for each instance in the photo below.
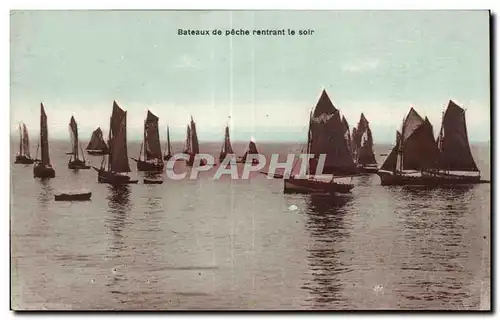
(327, 234)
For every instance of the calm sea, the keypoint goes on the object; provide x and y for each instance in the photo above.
(228, 244)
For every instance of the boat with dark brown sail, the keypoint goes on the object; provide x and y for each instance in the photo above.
(150, 156)
(75, 162)
(347, 135)
(168, 147)
(42, 167)
(325, 137)
(193, 144)
(252, 149)
(226, 148)
(116, 169)
(415, 153)
(24, 156)
(97, 146)
(363, 154)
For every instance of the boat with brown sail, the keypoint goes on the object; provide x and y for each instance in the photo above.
(325, 137)
(75, 162)
(24, 157)
(117, 167)
(226, 148)
(97, 145)
(418, 159)
(150, 156)
(168, 147)
(252, 149)
(363, 154)
(193, 145)
(347, 135)
(42, 167)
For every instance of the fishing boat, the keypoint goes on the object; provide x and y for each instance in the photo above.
(150, 156)
(168, 147)
(363, 154)
(117, 167)
(325, 136)
(252, 149)
(226, 148)
(97, 146)
(152, 181)
(415, 160)
(192, 144)
(42, 167)
(82, 195)
(74, 161)
(24, 156)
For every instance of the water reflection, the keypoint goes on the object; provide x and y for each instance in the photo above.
(119, 206)
(46, 193)
(435, 242)
(327, 234)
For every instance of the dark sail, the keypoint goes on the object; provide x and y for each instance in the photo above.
(226, 146)
(187, 146)
(195, 147)
(327, 137)
(391, 160)
(118, 156)
(252, 149)
(453, 141)
(347, 134)
(26, 141)
(20, 140)
(169, 147)
(97, 141)
(363, 142)
(73, 129)
(420, 149)
(44, 136)
(152, 147)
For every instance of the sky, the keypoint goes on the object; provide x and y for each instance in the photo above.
(377, 62)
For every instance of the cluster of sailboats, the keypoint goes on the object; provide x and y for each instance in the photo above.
(416, 159)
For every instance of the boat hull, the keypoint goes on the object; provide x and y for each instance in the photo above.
(77, 165)
(96, 152)
(312, 186)
(43, 171)
(152, 181)
(368, 169)
(22, 159)
(73, 197)
(426, 179)
(110, 177)
(149, 166)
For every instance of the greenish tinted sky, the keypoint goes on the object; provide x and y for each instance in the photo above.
(378, 63)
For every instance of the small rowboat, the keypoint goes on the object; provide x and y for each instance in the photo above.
(152, 181)
(73, 196)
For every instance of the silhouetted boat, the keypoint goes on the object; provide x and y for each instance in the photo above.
(152, 159)
(73, 196)
(75, 162)
(252, 149)
(417, 159)
(168, 148)
(226, 148)
(363, 154)
(152, 181)
(117, 165)
(24, 156)
(325, 136)
(97, 146)
(42, 167)
(192, 144)
(347, 135)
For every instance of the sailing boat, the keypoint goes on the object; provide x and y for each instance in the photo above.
(252, 149)
(168, 148)
(347, 135)
(416, 152)
(193, 146)
(152, 159)
(455, 161)
(187, 144)
(75, 162)
(117, 166)
(363, 144)
(97, 146)
(24, 156)
(226, 148)
(43, 168)
(325, 136)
